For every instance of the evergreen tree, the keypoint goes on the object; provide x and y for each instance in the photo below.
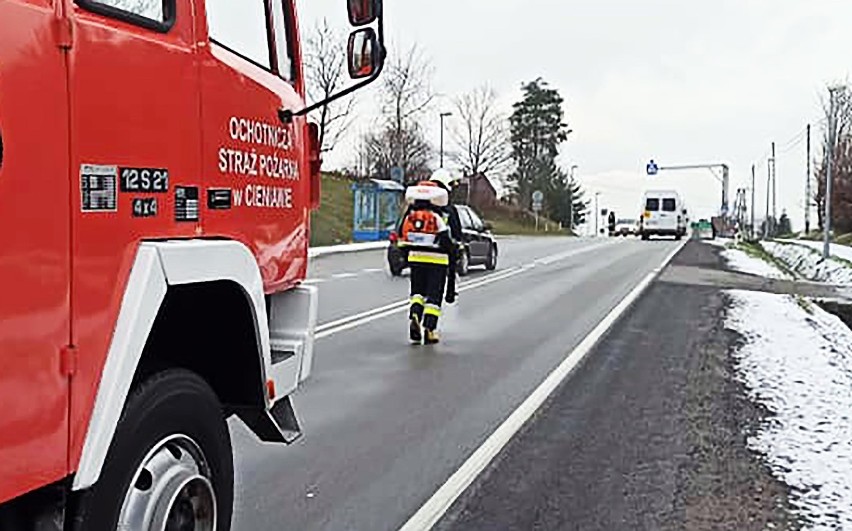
(537, 130)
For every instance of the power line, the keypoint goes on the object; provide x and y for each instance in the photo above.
(789, 145)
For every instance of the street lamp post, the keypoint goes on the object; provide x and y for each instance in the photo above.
(443, 115)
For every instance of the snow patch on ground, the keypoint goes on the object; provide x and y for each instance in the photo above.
(720, 242)
(799, 366)
(740, 261)
(840, 251)
(808, 263)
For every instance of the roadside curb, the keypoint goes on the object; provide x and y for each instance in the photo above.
(314, 252)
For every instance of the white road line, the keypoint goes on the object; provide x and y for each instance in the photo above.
(434, 508)
(369, 316)
(552, 259)
(313, 281)
(374, 270)
(344, 275)
(334, 324)
(353, 321)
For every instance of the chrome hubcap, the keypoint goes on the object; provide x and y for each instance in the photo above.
(171, 490)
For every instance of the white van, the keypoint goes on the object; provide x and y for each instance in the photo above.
(663, 214)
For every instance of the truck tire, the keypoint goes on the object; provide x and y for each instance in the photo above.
(170, 462)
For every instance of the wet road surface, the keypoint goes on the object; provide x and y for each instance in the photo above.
(387, 423)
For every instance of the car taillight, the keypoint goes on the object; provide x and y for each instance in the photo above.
(393, 237)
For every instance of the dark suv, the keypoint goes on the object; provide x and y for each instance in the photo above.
(479, 244)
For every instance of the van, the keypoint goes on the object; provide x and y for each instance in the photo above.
(663, 214)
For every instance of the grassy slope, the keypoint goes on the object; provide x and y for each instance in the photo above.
(508, 226)
(332, 223)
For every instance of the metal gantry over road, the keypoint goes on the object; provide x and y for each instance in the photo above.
(652, 168)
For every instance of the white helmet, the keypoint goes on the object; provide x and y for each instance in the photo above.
(444, 176)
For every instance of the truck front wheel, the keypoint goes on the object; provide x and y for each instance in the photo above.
(170, 464)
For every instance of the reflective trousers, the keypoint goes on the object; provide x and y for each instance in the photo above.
(428, 282)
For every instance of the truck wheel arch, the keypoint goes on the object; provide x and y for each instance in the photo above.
(161, 274)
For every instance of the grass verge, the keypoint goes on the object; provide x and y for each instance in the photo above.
(755, 250)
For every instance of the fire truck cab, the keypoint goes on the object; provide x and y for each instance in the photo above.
(157, 174)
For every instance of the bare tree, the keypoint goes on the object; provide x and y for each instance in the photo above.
(840, 115)
(326, 71)
(482, 139)
(386, 148)
(406, 93)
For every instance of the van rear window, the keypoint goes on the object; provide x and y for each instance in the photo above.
(669, 205)
(652, 204)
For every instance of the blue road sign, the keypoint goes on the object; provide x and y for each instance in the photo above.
(652, 168)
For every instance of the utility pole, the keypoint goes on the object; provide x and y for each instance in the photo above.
(768, 197)
(444, 115)
(808, 186)
(753, 229)
(774, 191)
(571, 200)
(597, 213)
(826, 249)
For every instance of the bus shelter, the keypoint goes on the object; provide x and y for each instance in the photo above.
(376, 209)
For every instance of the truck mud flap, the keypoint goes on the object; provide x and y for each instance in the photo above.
(278, 424)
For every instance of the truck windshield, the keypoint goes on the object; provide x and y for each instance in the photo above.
(652, 204)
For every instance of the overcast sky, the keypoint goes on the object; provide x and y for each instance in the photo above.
(683, 82)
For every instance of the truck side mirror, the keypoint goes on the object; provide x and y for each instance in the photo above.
(366, 54)
(363, 56)
(362, 12)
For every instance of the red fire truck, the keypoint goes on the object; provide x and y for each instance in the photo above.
(157, 174)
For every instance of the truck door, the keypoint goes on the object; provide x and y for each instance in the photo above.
(135, 122)
(34, 248)
(254, 165)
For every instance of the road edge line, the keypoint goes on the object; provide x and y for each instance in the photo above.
(401, 306)
(439, 503)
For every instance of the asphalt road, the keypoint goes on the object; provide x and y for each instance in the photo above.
(386, 423)
(650, 433)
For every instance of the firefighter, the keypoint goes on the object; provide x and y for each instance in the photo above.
(431, 233)
(448, 181)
